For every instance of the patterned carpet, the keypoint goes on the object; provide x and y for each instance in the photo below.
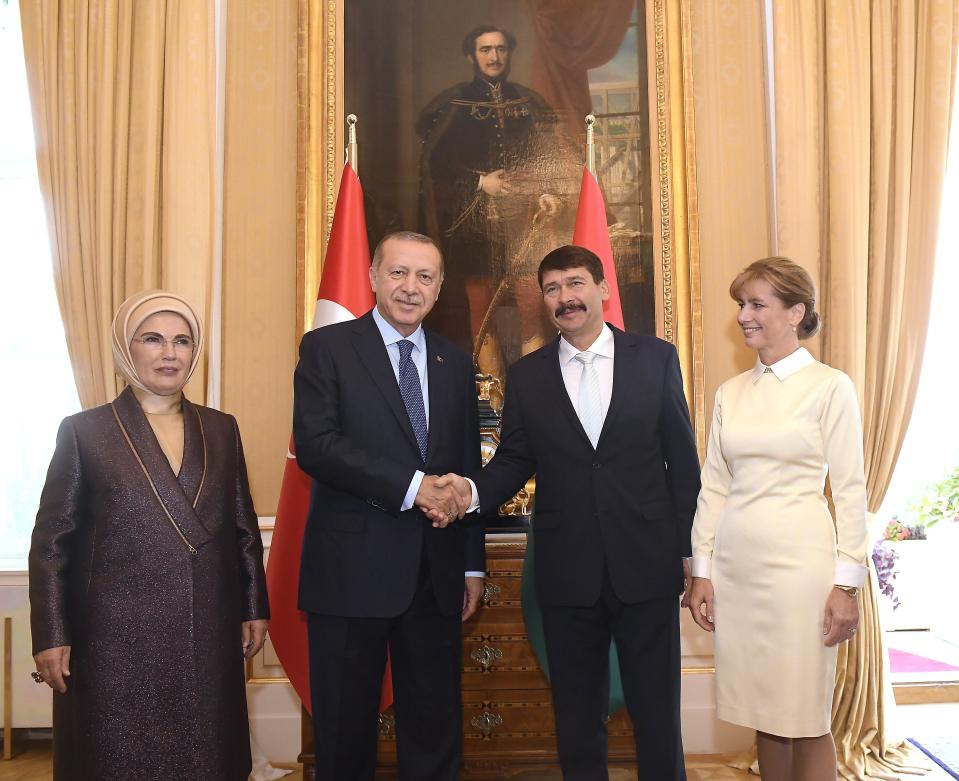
(34, 765)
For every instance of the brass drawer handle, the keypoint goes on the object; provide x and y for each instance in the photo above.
(490, 590)
(487, 722)
(385, 724)
(485, 656)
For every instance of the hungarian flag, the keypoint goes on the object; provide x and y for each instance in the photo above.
(344, 294)
(590, 232)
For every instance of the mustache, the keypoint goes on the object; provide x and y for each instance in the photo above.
(563, 309)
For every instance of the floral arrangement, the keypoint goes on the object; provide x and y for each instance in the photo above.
(896, 531)
(884, 560)
(939, 501)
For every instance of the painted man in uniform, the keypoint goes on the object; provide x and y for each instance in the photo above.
(495, 178)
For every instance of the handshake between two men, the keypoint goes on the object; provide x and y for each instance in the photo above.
(444, 499)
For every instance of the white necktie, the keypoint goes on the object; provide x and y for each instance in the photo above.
(590, 405)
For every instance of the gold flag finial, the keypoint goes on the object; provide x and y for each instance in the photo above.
(590, 147)
(351, 144)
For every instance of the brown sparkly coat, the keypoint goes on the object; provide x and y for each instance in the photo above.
(147, 576)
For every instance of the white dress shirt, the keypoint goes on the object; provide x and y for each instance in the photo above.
(391, 338)
(603, 347)
(571, 369)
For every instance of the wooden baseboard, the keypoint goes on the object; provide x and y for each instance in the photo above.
(921, 693)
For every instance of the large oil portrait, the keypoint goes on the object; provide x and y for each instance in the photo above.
(471, 130)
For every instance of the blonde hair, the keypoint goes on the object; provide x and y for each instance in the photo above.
(790, 282)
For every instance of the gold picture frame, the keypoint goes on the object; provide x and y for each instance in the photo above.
(321, 140)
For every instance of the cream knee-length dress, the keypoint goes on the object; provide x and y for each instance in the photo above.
(764, 535)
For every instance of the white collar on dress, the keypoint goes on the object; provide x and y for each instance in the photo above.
(602, 346)
(785, 368)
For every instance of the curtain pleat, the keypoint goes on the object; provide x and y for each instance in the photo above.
(123, 106)
(864, 90)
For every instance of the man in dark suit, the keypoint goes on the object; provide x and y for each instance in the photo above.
(599, 415)
(381, 407)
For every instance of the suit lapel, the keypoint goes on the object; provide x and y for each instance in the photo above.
(556, 386)
(625, 376)
(169, 491)
(369, 346)
(193, 468)
(438, 379)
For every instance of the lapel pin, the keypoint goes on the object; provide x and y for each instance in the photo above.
(439, 359)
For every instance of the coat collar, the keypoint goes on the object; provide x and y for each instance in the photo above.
(371, 348)
(604, 345)
(624, 369)
(626, 376)
(177, 495)
(438, 374)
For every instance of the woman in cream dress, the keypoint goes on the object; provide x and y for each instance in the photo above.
(772, 574)
(146, 570)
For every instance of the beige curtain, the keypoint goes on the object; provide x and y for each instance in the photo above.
(123, 105)
(863, 95)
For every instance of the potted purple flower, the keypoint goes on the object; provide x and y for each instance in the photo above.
(906, 562)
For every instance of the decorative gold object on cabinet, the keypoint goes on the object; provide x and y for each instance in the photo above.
(508, 723)
(386, 724)
(487, 723)
(486, 655)
(490, 590)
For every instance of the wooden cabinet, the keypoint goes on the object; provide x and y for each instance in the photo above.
(508, 722)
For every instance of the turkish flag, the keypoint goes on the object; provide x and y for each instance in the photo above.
(344, 294)
(591, 232)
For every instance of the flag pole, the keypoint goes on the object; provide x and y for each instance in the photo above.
(344, 294)
(590, 146)
(351, 144)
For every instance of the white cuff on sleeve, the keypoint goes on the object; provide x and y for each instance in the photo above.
(410, 499)
(700, 566)
(849, 574)
(474, 501)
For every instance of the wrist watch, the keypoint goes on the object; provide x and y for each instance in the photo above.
(849, 591)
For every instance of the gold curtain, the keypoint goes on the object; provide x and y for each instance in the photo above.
(123, 107)
(910, 78)
(863, 91)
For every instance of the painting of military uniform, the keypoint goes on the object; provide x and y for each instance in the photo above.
(472, 131)
(496, 180)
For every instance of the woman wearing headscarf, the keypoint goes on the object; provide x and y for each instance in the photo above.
(146, 570)
(773, 575)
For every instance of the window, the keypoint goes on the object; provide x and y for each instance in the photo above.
(37, 390)
(923, 631)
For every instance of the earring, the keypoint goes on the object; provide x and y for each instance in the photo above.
(794, 329)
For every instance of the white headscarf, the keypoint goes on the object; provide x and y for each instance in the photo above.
(131, 315)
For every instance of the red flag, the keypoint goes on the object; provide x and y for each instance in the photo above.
(344, 295)
(591, 232)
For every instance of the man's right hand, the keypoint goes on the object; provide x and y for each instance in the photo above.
(494, 183)
(445, 499)
(54, 665)
(439, 498)
(701, 603)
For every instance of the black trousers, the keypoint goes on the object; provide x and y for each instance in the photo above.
(347, 660)
(647, 640)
